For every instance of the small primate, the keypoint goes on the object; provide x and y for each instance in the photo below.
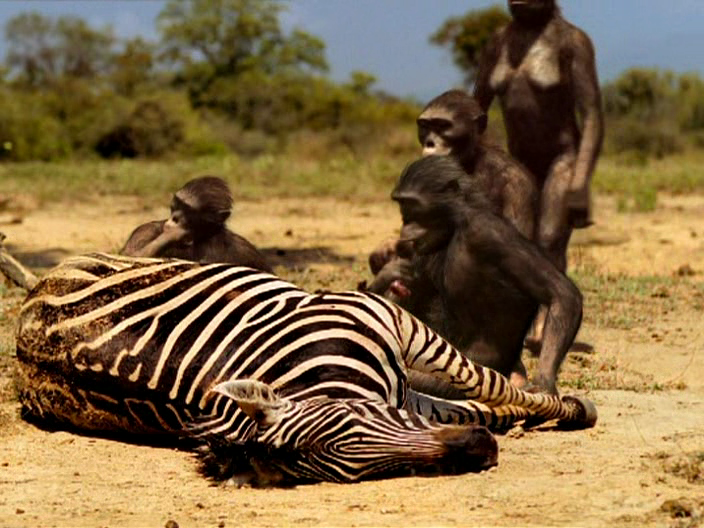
(471, 275)
(196, 229)
(453, 124)
(543, 70)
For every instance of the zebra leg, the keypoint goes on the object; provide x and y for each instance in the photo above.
(425, 351)
(500, 418)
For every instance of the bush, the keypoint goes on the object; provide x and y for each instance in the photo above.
(644, 140)
(27, 132)
(158, 125)
(148, 131)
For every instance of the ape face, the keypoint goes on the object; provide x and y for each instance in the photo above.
(428, 194)
(451, 125)
(425, 228)
(531, 10)
(437, 135)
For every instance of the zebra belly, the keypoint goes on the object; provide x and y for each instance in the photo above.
(134, 346)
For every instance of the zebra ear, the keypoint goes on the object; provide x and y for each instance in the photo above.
(256, 399)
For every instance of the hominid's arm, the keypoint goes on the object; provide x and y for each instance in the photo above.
(532, 273)
(588, 106)
(483, 92)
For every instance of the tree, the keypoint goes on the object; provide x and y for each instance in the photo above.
(134, 66)
(467, 35)
(213, 39)
(41, 50)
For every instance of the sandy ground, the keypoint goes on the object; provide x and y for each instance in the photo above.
(642, 465)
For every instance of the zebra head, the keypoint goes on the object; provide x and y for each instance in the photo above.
(338, 440)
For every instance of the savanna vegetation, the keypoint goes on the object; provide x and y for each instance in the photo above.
(226, 89)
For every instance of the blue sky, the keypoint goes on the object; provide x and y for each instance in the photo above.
(389, 38)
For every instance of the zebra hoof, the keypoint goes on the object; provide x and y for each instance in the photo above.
(586, 413)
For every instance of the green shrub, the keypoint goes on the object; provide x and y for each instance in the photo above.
(148, 131)
(27, 132)
(160, 124)
(645, 139)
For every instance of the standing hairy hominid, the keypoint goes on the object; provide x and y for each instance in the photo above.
(543, 71)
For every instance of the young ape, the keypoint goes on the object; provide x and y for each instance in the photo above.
(453, 124)
(543, 71)
(473, 277)
(196, 229)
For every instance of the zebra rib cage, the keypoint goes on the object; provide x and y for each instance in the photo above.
(271, 384)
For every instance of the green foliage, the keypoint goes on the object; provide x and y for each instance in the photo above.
(227, 77)
(656, 140)
(691, 102)
(27, 131)
(157, 125)
(466, 36)
(212, 40)
(653, 114)
(42, 50)
(134, 67)
(640, 93)
(148, 131)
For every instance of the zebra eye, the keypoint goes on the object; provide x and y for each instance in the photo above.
(259, 416)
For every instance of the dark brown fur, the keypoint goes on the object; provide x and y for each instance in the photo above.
(453, 124)
(474, 278)
(542, 93)
(196, 229)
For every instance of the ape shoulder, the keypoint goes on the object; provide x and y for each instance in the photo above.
(243, 253)
(142, 235)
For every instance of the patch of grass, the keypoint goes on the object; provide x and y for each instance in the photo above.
(675, 174)
(600, 370)
(637, 181)
(343, 175)
(640, 200)
(623, 302)
(263, 177)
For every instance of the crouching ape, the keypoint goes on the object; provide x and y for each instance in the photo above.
(473, 277)
(453, 124)
(196, 229)
(283, 386)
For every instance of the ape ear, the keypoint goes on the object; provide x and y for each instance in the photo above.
(256, 399)
(481, 122)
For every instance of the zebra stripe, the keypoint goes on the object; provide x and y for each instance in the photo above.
(146, 340)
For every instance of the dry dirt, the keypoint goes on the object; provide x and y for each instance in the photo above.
(641, 465)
